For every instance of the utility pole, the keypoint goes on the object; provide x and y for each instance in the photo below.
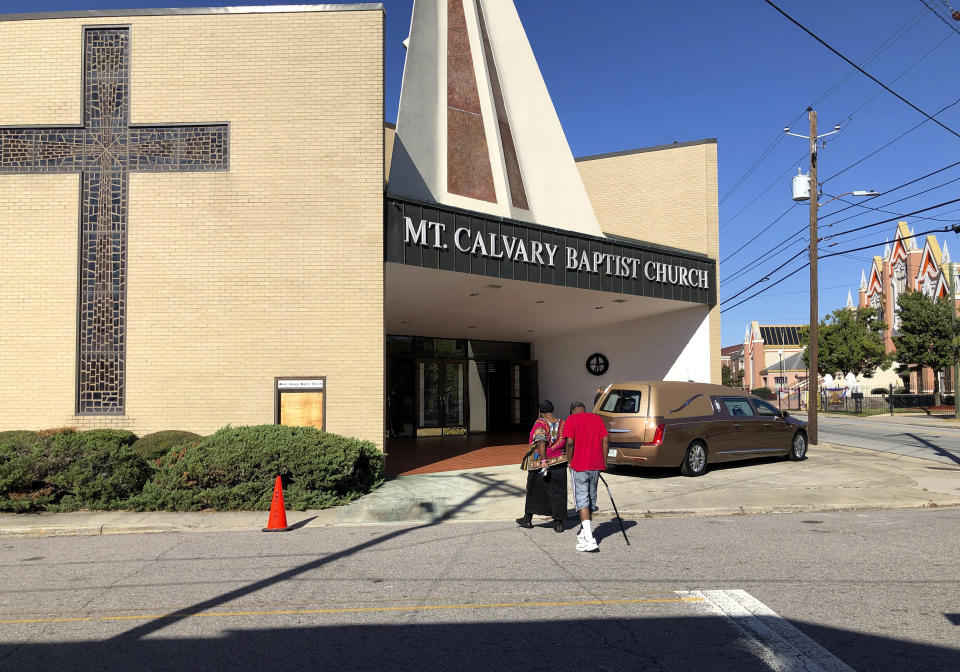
(953, 322)
(813, 393)
(813, 377)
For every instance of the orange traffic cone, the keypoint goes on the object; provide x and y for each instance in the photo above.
(278, 513)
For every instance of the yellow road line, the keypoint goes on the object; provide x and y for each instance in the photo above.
(353, 610)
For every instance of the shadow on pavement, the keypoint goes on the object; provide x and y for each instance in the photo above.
(674, 472)
(611, 528)
(691, 643)
(937, 449)
(490, 485)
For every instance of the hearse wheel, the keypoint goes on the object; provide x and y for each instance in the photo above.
(695, 461)
(798, 449)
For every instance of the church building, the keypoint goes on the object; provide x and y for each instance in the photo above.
(906, 265)
(206, 221)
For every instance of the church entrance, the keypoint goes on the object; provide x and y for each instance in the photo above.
(454, 386)
(453, 401)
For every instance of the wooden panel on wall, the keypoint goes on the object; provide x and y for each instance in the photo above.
(302, 409)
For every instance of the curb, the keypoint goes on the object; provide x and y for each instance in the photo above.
(395, 518)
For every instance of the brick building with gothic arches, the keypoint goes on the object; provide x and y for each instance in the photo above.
(906, 266)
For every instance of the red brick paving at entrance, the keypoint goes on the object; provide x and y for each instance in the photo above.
(430, 455)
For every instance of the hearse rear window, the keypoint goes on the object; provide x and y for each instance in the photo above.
(738, 407)
(622, 401)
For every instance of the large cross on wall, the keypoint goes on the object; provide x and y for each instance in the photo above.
(104, 150)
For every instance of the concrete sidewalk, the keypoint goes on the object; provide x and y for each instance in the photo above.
(833, 478)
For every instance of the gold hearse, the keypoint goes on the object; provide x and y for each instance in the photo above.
(688, 425)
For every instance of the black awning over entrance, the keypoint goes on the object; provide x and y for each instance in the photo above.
(444, 238)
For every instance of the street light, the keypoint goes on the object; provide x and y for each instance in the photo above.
(802, 189)
(780, 389)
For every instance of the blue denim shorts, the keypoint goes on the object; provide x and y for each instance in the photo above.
(585, 488)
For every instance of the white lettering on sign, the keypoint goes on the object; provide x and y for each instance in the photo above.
(418, 234)
(654, 271)
(516, 249)
(312, 384)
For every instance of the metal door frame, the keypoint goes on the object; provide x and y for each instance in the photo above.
(441, 364)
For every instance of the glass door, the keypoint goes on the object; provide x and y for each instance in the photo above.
(441, 397)
(454, 397)
(524, 394)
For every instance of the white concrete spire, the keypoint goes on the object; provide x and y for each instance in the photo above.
(850, 305)
(863, 279)
(476, 127)
(886, 252)
(945, 256)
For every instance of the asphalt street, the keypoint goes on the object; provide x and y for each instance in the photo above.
(858, 590)
(933, 442)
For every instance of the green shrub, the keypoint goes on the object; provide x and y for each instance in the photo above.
(65, 470)
(235, 469)
(763, 393)
(880, 390)
(154, 446)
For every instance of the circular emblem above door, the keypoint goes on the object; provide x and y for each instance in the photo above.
(598, 364)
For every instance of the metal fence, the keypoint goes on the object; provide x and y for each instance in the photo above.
(857, 403)
(886, 404)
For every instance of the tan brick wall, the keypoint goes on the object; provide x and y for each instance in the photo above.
(389, 135)
(666, 196)
(274, 268)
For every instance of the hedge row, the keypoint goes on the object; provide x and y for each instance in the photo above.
(233, 469)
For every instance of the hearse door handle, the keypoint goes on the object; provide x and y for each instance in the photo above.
(736, 425)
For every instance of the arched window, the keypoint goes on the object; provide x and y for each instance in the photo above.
(897, 288)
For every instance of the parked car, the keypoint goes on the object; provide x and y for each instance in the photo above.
(691, 425)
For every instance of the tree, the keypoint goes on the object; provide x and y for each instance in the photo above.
(927, 338)
(729, 379)
(849, 341)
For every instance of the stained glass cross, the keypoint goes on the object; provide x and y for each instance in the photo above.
(104, 150)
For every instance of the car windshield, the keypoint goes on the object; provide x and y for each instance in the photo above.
(622, 401)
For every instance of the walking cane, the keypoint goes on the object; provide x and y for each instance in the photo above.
(619, 519)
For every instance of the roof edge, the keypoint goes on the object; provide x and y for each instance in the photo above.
(177, 11)
(642, 150)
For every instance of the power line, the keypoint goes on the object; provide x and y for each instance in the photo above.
(761, 232)
(937, 14)
(766, 276)
(899, 33)
(772, 251)
(887, 221)
(890, 191)
(753, 167)
(891, 212)
(766, 256)
(862, 71)
(883, 147)
(849, 118)
(824, 256)
(775, 182)
(917, 62)
(767, 288)
(955, 229)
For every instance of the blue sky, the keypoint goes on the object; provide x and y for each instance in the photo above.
(626, 74)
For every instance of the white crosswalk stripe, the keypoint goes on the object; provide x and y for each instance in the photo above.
(777, 643)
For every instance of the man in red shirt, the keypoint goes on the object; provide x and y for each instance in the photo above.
(587, 445)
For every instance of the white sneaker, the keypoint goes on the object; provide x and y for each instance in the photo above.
(587, 544)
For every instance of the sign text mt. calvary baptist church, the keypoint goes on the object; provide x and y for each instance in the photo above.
(513, 248)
